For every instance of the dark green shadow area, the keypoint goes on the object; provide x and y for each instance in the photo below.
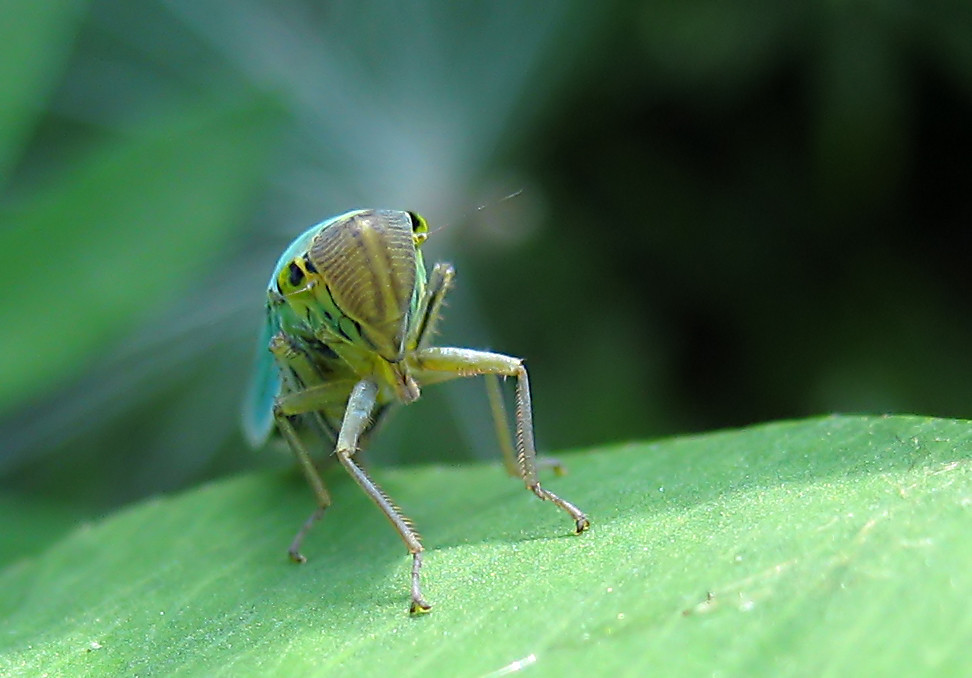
(834, 545)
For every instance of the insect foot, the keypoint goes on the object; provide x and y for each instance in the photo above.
(418, 606)
(581, 523)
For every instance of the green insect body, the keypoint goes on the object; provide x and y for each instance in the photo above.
(350, 316)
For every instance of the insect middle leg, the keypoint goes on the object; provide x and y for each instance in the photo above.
(433, 363)
(430, 307)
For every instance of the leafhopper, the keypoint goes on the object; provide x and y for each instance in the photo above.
(351, 312)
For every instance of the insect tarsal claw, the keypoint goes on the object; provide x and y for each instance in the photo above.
(419, 607)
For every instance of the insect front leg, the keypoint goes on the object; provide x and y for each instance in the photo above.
(356, 420)
(464, 362)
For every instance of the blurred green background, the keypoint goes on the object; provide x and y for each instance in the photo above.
(730, 213)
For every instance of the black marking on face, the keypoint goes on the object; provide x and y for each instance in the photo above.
(322, 349)
(296, 377)
(309, 265)
(355, 324)
(416, 222)
(296, 275)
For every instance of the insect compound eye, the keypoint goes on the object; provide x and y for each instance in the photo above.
(296, 274)
(291, 278)
(420, 228)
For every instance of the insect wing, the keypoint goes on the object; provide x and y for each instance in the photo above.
(265, 381)
(263, 389)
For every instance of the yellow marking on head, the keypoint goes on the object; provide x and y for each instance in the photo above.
(420, 228)
(296, 277)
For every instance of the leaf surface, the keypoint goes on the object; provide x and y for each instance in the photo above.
(834, 546)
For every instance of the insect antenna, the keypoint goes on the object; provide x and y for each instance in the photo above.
(480, 208)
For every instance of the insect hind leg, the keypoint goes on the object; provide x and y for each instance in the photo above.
(501, 423)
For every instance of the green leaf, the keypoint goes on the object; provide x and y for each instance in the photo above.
(836, 546)
(35, 42)
(47, 521)
(121, 234)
